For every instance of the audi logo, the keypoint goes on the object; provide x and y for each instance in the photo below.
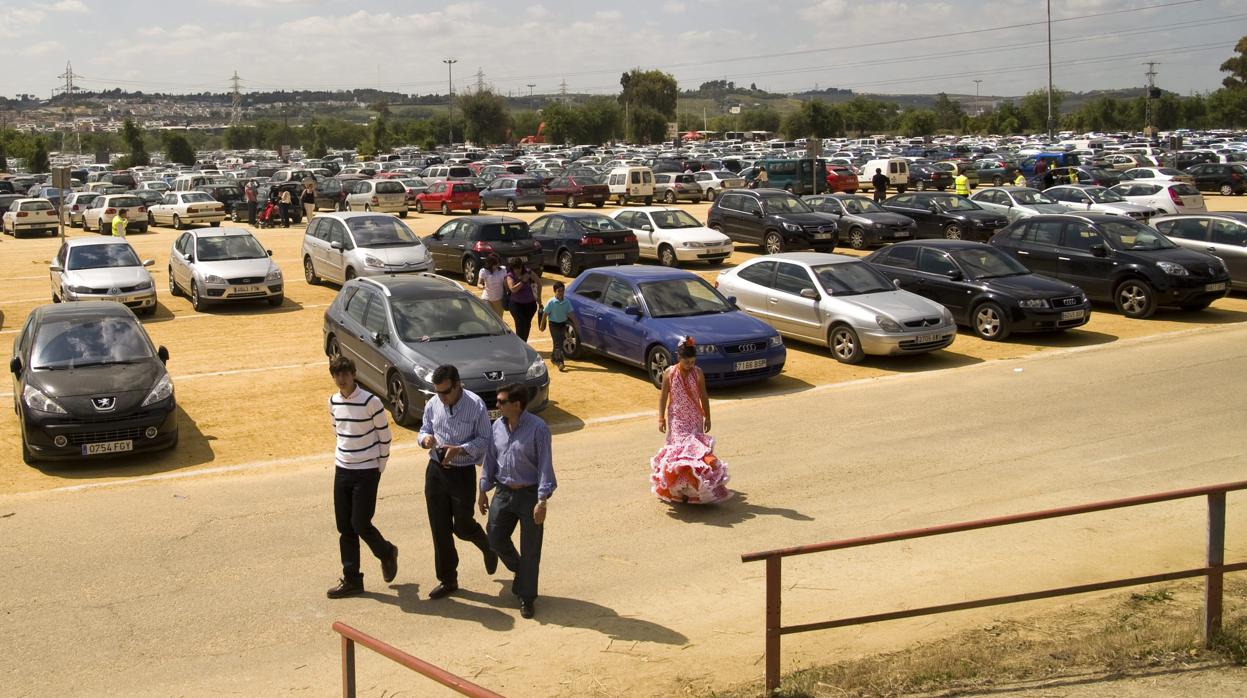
(746, 348)
(1070, 301)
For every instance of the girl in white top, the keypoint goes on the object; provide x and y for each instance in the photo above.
(491, 278)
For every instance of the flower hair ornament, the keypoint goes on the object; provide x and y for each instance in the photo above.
(687, 341)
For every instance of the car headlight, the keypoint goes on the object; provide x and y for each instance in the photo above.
(793, 227)
(1033, 303)
(1221, 265)
(537, 369)
(143, 286)
(424, 374)
(36, 400)
(162, 391)
(876, 224)
(690, 244)
(79, 289)
(886, 324)
(777, 341)
(274, 274)
(706, 348)
(370, 261)
(947, 315)
(213, 279)
(1173, 269)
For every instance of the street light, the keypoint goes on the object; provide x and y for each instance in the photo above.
(1050, 122)
(530, 94)
(978, 106)
(450, 100)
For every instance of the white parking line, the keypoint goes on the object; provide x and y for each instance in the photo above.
(193, 316)
(15, 301)
(234, 372)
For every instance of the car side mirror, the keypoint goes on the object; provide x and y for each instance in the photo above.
(336, 245)
(757, 214)
(731, 300)
(15, 365)
(633, 310)
(647, 228)
(56, 268)
(809, 293)
(148, 262)
(933, 208)
(378, 338)
(270, 252)
(1099, 250)
(1008, 204)
(163, 354)
(896, 283)
(955, 275)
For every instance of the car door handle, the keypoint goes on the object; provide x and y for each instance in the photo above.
(1211, 249)
(461, 246)
(772, 300)
(1063, 259)
(1023, 252)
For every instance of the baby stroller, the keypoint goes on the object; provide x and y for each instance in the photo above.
(268, 217)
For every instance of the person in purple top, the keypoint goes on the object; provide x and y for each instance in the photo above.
(524, 285)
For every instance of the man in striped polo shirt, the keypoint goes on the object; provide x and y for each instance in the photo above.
(363, 434)
(456, 431)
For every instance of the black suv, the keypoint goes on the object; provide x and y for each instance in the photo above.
(87, 382)
(946, 216)
(1226, 178)
(463, 244)
(774, 219)
(1116, 259)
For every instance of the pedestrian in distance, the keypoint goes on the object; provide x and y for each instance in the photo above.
(492, 280)
(456, 432)
(120, 221)
(961, 184)
(557, 312)
(761, 179)
(284, 201)
(881, 182)
(363, 449)
(1073, 176)
(1020, 180)
(524, 287)
(249, 195)
(1049, 179)
(519, 467)
(308, 198)
(685, 470)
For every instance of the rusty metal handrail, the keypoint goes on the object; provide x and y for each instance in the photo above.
(1213, 571)
(350, 636)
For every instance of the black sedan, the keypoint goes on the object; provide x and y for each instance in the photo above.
(574, 241)
(863, 221)
(87, 383)
(946, 216)
(463, 244)
(984, 288)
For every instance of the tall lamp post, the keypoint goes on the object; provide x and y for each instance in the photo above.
(450, 100)
(531, 85)
(978, 106)
(1051, 122)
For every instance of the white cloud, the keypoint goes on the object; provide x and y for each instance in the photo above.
(43, 48)
(70, 6)
(673, 7)
(24, 15)
(608, 16)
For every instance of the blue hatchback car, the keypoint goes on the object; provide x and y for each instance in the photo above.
(639, 314)
(513, 191)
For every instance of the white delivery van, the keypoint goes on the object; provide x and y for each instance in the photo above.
(631, 184)
(897, 170)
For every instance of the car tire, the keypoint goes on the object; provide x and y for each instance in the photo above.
(367, 208)
(845, 345)
(666, 256)
(952, 231)
(309, 272)
(569, 201)
(197, 301)
(901, 189)
(402, 214)
(350, 273)
(474, 211)
(1226, 190)
(649, 201)
(1134, 298)
(922, 185)
(571, 342)
(396, 394)
(511, 205)
(332, 348)
(276, 301)
(710, 194)
(599, 204)
(484, 205)
(773, 242)
(151, 220)
(657, 360)
(445, 209)
(990, 322)
(567, 264)
(669, 197)
(101, 229)
(347, 206)
(857, 238)
(148, 311)
(1196, 306)
(541, 207)
(27, 457)
(619, 201)
(214, 224)
(469, 270)
(177, 222)
(173, 285)
(419, 207)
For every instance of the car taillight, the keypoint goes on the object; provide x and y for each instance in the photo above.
(1173, 196)
(1235, 175)
(142, 209)
(590, 240)
(536, 245)
(75, 208)
(109, 210)
(191, 209)
(375, 200)
(482, 246)
(629, 238)
(22, 214)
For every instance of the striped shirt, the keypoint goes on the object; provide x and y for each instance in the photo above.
(362, 429)
(466, 425)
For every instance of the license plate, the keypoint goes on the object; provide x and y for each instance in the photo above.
(924, 338)
(822, 236)
(494, 414)
(902, 234)
(1215, 287)
(1073, 314)
(615, 256)
(750, 365)
(247, 289)
(107, 447)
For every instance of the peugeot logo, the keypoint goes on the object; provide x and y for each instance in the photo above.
(103, 404)
(494, 375)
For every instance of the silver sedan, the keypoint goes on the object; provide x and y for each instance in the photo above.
(223, 264)
(839, 302)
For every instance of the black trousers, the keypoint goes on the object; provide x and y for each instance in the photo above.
(508, 508)
(558, 330)
(523, 314)
(285, 214)
(251, 211)
(880, 194)
(354, 503)
(449, 495)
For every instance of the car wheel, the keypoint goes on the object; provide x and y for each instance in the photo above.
(1227, 190)
(419, 207)
(214, 224)
(474, 211)
(567, 265)
(277, 300)
(599, 204)
(990, 322)
(469, 270)
(952, 231)
(1197, 305)
(27, 457)
(649, 201)
(773, 243)
(710, 194)
(901, 189)
(922, 185)
(857, 238)
(400, 407)
(511, 205)
(484, 205)
(669, 197)
(333, 350)
(173, 285)
(445, 209)
(666, 256)
(55, 298)
(402, 214)
(177, 222)
(541, 207)
(99, 229)
(845, 345)
(197, 301)
(350, 273)
(620, 200)
(151, 220)
(569, 201)
(309, 271)
(367, 208)
(1135, 298)
(656, 363)
(571, 342)
(347, 207)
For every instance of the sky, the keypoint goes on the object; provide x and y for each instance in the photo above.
(879, 46)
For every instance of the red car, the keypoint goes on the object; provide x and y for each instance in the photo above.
(841, 179)
(449, 196)
(573, 191)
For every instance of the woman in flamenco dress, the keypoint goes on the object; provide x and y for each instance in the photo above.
(685, 470)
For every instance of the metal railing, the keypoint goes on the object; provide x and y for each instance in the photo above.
(1213, 571)
(350, 636)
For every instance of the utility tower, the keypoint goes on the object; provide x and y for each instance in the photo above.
(1149, 125)
(563, 91)
(480, 80)
(235, 112)
(68, 96)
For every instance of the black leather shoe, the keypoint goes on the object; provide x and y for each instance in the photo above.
(526, 609)
(491, 562)
(389, 566)
(442, 590)
(346, 588)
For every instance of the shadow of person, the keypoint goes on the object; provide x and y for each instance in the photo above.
(575, 613)
(733, 511)
(452, 607)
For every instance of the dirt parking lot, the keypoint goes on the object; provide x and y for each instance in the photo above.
(246, 372)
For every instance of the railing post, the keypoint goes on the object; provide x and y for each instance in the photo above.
(772, 622)
(348, 667)
(1216, 558)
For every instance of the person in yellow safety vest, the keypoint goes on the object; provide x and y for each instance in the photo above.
(963, 184)
(1073, 176)
(1020, 180)
(119, 223)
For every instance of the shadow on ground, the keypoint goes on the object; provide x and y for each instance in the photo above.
(194, 448)
(736, 510)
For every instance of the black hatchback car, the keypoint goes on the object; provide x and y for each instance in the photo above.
(1116, 259)
(463, 244)
(1225, 178)
(946, 216)
(87, 382)
(984, 288)
(576, 240)
(774, 219)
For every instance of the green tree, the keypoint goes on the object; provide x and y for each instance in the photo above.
(1195, 112)
(863, 115)
(1100, 114)
(948, 114)
(1227, 108)
(562, 122)
(1236, 66)
(39, 156)
(1034, 109)
(178, 149)
(240, 137)
(133, 136)
(648, 125)
(601, 119)
(651, 89)
(525, 123)
(813, 118)
(486, 117)
(918, 122)
(313, 134)
(763, 119)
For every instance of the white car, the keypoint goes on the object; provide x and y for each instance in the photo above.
(104, 207)
(155, 185)
(714, 181)
(183, 208)
(76, 204)
(30, 216)
(672, 236)
(227, 264)
(1086, 197)
(102, 269)
(1163, 174)
(377, 196)
(1167, 197)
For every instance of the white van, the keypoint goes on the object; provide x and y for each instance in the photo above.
(631, 184)
(193, 181)
(897, 170)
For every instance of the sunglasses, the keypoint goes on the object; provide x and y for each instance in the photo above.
(447, 391)
(507, 399)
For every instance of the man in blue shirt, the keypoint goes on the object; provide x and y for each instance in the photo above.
(518, 463)
(455, 430)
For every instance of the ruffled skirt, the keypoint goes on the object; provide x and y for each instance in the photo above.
(687, 471)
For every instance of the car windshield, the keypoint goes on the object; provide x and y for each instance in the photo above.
(601, 224)
(955, 203)
(221, 248)
(36, 206)
(380, 231)
(786, 204)
(444, 319)
(987, 263)
(674, 219)
(391, 187)
(1100, 195)
(101, 257)
(79, 342)
(1031, 196)
(860, 206)
(197, 198)
(682, 298)
(124, 202)
(851, 279)
(527, 184)
(1169, 172)
(1129, 235)
(505, 232)
(228, 193)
